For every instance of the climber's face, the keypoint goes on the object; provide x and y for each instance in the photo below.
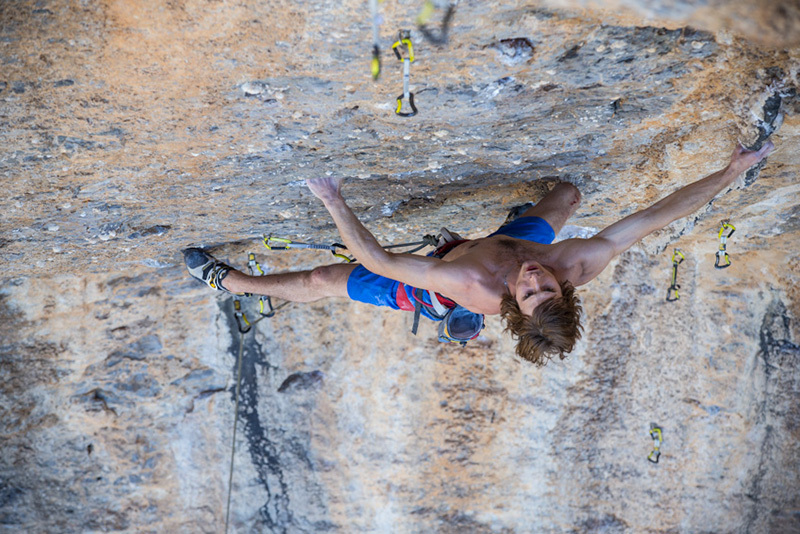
(535, 284)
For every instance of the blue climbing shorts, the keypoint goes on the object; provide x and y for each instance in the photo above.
(533, 229)
(365, 286)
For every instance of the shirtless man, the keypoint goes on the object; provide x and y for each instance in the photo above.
(514, 272)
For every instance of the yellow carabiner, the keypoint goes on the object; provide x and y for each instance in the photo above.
(406, 41)
(672, 291)
(722, 230)
(342, 257)
(253, 265)
(265, 309)
(281, 240)
(241, 316)
(722, 259)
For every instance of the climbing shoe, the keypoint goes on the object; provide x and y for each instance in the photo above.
(206, 268)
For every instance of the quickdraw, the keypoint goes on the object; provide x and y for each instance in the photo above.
(672, 292)
(404, 39)
(265, 307)
(722, 253)
(655, 433)
(376, 51)
(424, 17)
(264, 301)
(279, 243)
(253, 265)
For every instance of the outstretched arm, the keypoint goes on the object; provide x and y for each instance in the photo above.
(620, 236)
(418, 271)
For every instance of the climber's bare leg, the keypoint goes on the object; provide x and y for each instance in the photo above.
(557, 206)
(301, 286)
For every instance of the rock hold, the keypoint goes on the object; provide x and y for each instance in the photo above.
(771, 123)
(301, 381)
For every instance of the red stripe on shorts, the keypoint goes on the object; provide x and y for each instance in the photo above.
(402, 298)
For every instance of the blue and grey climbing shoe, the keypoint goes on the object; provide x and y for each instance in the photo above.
(206, 268)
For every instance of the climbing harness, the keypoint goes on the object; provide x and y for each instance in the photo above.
(672, 292)
(428, 8)
(460, 325)
(655, 433)
(404, 39)
(722, 253)
(376, 51)
(456, 323)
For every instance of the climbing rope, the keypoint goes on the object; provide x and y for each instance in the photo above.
(428, 240)
(244, 326)
(722, 253)
(672, 292)
(404, 40)
(235, 423)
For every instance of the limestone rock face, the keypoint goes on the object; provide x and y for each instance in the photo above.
(131, 130)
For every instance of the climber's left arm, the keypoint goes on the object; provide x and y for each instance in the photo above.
(594, 254)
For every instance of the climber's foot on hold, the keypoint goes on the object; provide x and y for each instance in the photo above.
(206, 268)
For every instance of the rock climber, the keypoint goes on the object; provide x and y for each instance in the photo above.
(516, 271)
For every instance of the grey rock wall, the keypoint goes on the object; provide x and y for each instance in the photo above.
(130, 131)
